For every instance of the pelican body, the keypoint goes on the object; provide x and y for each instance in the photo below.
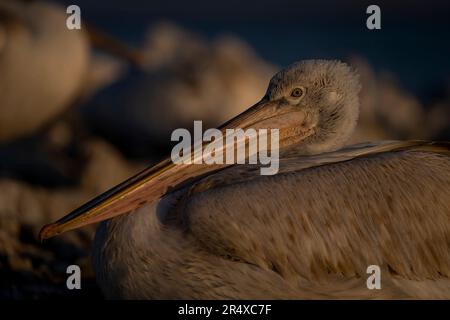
(42, 65)
(308, 232)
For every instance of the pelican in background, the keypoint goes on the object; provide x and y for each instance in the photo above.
(310, 231)
(42, 63)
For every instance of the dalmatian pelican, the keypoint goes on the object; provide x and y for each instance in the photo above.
(308, 232)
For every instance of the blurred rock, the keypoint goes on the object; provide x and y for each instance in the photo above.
(103, 70)
(387, 110)
(166, 45)
(29, 269)
(438, 120)
(400, 111)
(106, 167)
(438, 117)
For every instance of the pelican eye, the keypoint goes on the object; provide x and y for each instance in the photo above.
(297, 92)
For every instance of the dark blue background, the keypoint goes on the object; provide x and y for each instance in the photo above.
(413, 42)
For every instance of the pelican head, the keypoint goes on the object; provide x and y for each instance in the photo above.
(313, 104)
(326, 92)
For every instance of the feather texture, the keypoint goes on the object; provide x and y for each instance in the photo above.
(310, 231)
